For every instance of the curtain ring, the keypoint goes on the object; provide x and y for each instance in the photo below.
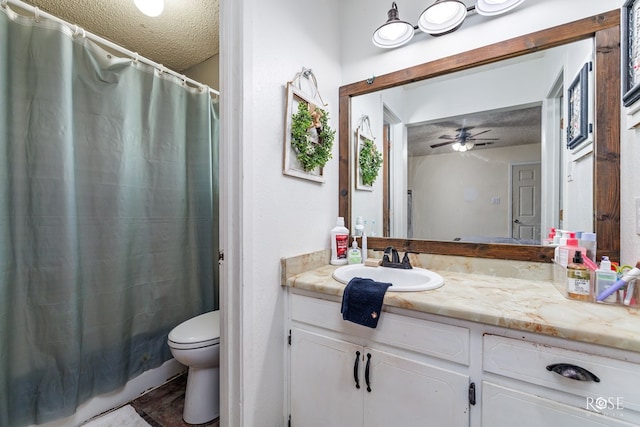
(135, 58)
(79, 32)
(36, 14)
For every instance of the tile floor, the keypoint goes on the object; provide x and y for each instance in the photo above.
(162, 407)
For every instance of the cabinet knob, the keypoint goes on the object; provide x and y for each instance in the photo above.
(573, 372)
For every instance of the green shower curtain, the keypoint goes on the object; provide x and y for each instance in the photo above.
(108, 217)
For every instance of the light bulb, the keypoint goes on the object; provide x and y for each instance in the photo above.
(150, 8)
(394, 31)
(442, 12)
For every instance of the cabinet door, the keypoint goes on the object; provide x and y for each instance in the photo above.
(323, 388)
(505, 407)
(409, 393)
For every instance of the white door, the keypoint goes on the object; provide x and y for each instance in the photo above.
(409, 393)
(525, 201)
(323, 381)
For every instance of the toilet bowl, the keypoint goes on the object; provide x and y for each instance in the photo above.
(196, 343)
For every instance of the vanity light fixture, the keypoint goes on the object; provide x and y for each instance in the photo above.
(442, 17)
(152, 8)
(394, 32)
(495, 7)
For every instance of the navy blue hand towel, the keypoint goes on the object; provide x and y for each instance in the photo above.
(362, 301)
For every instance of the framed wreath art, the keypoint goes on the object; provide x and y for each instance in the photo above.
(368, 158)
(308, 136)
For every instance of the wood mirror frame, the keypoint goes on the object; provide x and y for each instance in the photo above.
(605, 29)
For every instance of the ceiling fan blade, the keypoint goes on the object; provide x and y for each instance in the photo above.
(479, 133)
(483, 139)
(482, 143)
(442, 144)
(448, 137)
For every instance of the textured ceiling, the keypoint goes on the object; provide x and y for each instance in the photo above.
(184, 35)
(497, 128)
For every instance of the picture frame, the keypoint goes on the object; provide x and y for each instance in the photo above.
(364, 136)
(360, 141)
(630, 52)
(292, 166)
(577, 111)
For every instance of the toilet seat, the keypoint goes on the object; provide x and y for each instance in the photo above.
(197, 332)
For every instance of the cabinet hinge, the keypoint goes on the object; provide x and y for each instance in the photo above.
(289, 339)
(472, 393)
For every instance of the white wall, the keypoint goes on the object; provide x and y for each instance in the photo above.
(280, 216)
(369, 204)
(464, 204)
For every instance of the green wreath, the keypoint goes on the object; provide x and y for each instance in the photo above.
(310, 154)
(370, 160)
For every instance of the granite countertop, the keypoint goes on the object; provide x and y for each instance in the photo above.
(529, 305)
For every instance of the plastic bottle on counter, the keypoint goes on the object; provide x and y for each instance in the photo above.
(548, 241)
(364, 246)
(565, 252)
(605, 277)
(588, 241)
(578, 279)
(339, 243)
(359, 227)
(354, 256)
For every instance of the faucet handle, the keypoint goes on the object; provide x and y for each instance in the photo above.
(405, 260)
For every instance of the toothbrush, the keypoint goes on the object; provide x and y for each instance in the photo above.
(628, 277)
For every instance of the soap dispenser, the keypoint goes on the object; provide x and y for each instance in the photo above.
(354, 256)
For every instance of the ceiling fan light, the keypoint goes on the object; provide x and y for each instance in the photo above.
(152, 8)
(442, 16)
(394, 32)
(456, 146)
(496, 7)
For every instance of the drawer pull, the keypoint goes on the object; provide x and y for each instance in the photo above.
(356, 364)
(573, 372)
(366, 372)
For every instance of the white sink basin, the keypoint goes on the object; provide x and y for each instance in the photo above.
(415, 279)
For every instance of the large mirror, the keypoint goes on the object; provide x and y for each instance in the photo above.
(505, 104)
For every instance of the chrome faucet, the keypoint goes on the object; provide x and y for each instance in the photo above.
(395, 262)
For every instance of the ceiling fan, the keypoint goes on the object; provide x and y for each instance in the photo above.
(464, 140)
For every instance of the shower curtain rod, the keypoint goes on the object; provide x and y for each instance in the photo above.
(76, 30)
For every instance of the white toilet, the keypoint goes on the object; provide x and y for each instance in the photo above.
(196, 343)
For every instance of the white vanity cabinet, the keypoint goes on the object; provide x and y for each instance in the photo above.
(406, 372)
(545, 385)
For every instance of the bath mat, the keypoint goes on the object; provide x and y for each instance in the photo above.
(122, 417)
